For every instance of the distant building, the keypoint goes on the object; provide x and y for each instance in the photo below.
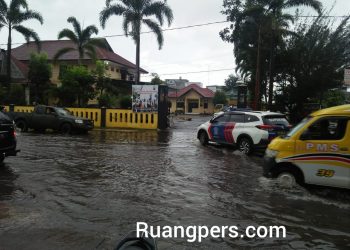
(215, 88)
(199, 84)
(192, 100)
(176, 83)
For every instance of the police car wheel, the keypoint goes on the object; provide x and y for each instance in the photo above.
(203, 138)
(245, 145)
(286, 180)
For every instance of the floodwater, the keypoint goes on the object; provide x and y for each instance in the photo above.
(87, 191)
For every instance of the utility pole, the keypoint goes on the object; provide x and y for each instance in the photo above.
(257, 75)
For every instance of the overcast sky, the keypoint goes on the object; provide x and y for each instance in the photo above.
(186, 50)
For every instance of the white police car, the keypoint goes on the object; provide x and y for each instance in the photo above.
(247, 130)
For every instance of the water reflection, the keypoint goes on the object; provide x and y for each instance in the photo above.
(78, 191)
(131, 136)
(7, 189)
(7, 178)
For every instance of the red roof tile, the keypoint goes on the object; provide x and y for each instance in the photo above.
(207, 93)
(21, 66)
(22, 53)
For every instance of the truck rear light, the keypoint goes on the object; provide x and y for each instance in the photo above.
(14, 134)
(265, 127)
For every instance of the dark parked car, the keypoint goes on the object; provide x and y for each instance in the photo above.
(47, 117)
(7, 137)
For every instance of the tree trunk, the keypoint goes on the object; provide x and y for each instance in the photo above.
(8, 67)
(137, 79)
(138, 33)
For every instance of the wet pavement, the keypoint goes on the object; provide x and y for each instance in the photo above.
(87, 191)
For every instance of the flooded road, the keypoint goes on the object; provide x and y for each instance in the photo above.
(87, 192)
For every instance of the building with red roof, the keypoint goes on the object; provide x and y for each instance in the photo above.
(19, 70)
(117, 67)
(192, 100)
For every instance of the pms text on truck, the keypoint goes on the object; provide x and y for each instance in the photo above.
(47, 117)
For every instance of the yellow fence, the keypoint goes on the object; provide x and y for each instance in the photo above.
(89, 113)
(115, 118)
(118, 118)
(26, 109)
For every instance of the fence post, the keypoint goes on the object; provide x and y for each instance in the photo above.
(103, 117)
(162, 107)
(12, 108)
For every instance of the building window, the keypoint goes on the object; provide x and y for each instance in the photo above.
(194, 105)
(205, 103)
(180, 104)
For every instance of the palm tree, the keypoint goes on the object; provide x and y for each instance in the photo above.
(136, 13)
(12, 16)
(84, 44)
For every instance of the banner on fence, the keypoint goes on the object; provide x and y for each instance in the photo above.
(145, 98)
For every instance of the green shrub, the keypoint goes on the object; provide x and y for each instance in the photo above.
(125, 102)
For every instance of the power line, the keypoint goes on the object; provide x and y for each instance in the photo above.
(170, 29)
(177, 28)
(196, 72)
(322, 16)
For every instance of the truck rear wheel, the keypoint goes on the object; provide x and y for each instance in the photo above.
(22, 125)
(289, 176)
(287, 180)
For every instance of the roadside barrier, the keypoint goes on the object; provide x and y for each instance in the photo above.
(24, 109)
(127, 119)
(89, 113)
(108, 118)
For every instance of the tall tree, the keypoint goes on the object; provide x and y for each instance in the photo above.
(77, 87)
(84, 44)
(275, 11)
(311, 63)
(136, 13)
(231, 82)
(12, 16)
(259, 27)
(39, 75)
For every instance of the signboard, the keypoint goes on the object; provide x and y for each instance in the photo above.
(347, 77)
(145, 98)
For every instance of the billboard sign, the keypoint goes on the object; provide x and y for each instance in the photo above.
(145, 98)
(347, 77)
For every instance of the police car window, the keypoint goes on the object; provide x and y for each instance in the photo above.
(236, 118)
(275, 120)
(221, 118)
(251, 118)
(328, 129)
